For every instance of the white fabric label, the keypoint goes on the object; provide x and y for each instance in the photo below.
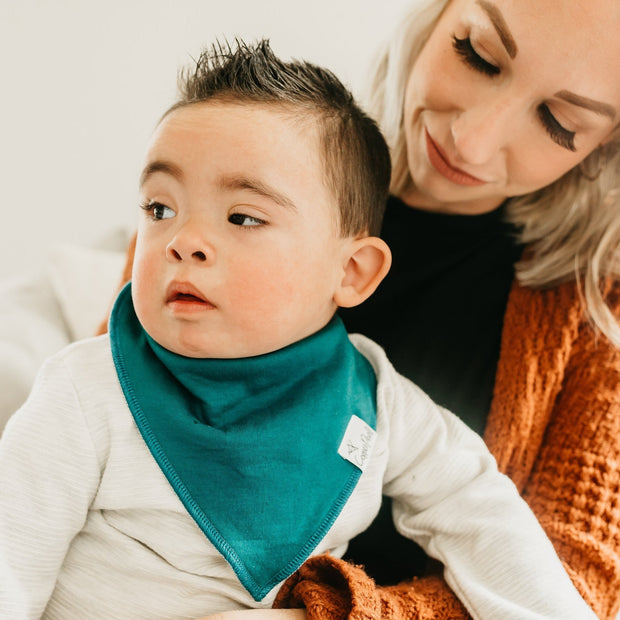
(357, 443)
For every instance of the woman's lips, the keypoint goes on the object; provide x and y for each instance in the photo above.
(440, 163)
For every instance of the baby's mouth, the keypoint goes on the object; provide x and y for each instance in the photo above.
(181, 294)
(186, 297)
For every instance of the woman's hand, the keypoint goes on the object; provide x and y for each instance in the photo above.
(259, 614)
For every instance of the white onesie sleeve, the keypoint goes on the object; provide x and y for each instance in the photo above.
(49, 474)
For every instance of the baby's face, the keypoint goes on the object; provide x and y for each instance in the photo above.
(238, 250)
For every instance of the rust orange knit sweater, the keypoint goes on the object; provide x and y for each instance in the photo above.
(554, 428)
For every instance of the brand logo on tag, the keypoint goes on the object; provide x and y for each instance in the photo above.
(357, 443)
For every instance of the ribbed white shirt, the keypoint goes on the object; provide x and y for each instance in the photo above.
(90, 527)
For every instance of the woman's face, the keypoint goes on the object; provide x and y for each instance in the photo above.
(508, 95)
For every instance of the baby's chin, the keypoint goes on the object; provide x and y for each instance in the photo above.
(223, 347)
(210, 336)
(218, 348)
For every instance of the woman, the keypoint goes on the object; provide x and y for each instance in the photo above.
(504, 224)
(503, 119)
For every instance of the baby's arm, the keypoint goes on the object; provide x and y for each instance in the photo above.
(450, 498)
(48, 476)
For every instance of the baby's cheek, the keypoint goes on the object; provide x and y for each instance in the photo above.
(262, 289)
(141, 262)
(140, 279)
(144, 285)
(265, 295)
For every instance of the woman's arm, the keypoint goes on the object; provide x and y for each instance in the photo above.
(555, 428)
(574, 488)
(259, 614)
(332, 589)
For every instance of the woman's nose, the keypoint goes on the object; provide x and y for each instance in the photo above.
(481, 132)
(190, 245)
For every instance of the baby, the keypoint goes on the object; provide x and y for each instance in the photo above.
(228, 428)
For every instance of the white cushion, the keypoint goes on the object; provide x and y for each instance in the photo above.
(41, 313)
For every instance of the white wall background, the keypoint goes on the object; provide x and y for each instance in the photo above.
(83, 83)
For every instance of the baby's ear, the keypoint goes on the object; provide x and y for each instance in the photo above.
(367, 262)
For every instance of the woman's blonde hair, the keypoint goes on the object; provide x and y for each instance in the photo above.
(571, 227)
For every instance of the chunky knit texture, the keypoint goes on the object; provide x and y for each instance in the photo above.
(554, 427)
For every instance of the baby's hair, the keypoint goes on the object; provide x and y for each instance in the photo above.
(355, 157)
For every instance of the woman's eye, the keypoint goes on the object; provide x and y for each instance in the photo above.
(158, 211)
(241, 219)
(558, 133)
(466, 51)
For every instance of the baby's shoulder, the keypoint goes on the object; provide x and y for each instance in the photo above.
(84, 364)
(372, 351)
(81, 353)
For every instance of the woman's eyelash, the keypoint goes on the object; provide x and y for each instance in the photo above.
(558, 134)
(466, 51)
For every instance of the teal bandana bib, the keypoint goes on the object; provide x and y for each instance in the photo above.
(251, 446)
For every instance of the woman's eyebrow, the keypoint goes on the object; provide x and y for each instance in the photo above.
(589, 104)
(500, 25)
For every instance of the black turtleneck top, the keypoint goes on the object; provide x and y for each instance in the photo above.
(438, 314)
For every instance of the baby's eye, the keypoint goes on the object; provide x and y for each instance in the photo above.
(241, 219)
(158, 211)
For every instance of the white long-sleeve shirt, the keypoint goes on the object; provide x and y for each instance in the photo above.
(90, 527)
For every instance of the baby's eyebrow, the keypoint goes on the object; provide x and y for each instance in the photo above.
(160, 166)
(257, 187)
